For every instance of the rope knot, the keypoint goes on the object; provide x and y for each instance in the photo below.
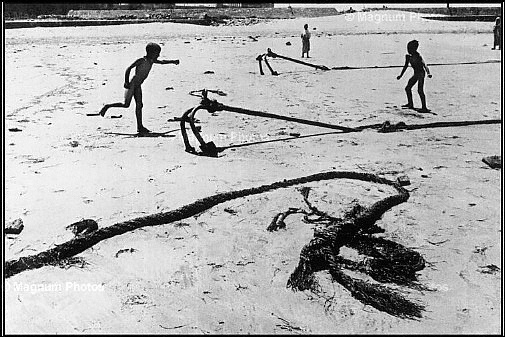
(212, 105)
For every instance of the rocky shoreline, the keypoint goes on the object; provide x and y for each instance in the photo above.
(98, 22)
(196, 13)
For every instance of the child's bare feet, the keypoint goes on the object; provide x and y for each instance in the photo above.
(143, 130)
(424, 109)
(410, 106)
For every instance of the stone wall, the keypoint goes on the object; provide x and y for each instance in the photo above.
(220, 13)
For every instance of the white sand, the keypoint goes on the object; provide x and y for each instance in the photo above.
(222, 272)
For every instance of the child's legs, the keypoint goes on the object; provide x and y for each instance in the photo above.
(420, 91)
(412, 81)
(408, 89)
(127, 100)
(128, 95)
(137, 94)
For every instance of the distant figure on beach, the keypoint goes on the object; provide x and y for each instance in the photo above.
(305, 40)
(291, 10)
(134, 86)
(497, 34)
(420, 69)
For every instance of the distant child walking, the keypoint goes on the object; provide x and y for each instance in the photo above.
(305, 40)
(134, 86)
(497, 34)
(420, 70)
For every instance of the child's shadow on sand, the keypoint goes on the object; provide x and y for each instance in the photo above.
(138, 135)
(414, 112)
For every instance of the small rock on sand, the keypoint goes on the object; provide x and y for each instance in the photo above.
(127, 250)
(403, 180)
(83, 227)
(14, 227)
(493, 161)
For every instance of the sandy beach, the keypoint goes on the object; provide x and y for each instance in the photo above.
(221, 271)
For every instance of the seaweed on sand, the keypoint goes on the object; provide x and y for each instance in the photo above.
(386, 262)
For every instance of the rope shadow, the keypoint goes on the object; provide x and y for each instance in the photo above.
(280, 140)
(145, 135)
(382, 127)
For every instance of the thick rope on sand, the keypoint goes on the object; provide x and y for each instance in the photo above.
(80, 244)
(429, 64)
(213, 105)
(388, 127)
(270, 53)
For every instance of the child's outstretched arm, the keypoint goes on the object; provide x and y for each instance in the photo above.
(405, 66)
(167, 61)
(427, 69)
(127, 73)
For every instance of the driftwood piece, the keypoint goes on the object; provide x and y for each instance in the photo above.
(278, 220)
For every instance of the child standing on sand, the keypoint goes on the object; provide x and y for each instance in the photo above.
(134, 87)
(417, 63)
(305, 40)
